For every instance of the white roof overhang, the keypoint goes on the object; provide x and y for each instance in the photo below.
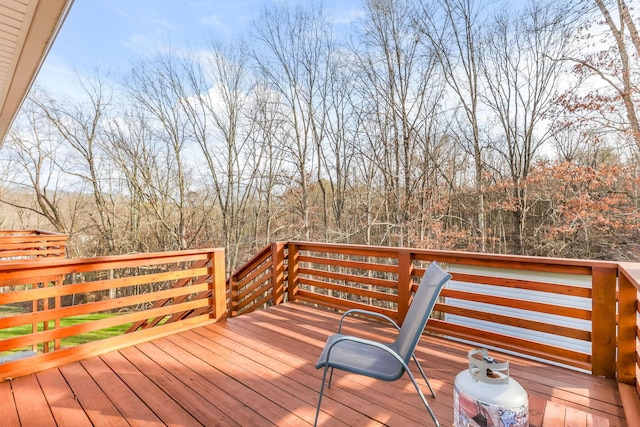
(27, 30)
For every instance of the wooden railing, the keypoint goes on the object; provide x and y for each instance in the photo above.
(628, 368)
(32, 244)
(147, 295)
(558, 310)
(578, 313)
(260, 282)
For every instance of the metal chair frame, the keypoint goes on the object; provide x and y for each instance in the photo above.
(401, 350)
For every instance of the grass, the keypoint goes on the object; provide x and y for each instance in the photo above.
(69, 321)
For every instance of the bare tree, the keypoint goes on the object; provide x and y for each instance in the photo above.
(139, 160)
(293, 55)
(628, 88)
(268, 158)
(157, 85)
(218, 113)
(337, 153)
(400, 88)
(79, 125)
(616, 66)
(32, 167)
(522, 73)
(454, 29)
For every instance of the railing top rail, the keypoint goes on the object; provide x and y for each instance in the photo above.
(632, 271)
(30, 233)
(260, 255)
(515, 261)
(16, 242)
(64, 262)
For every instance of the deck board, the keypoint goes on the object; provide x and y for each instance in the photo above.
(65, 408)
(116, 390)
(168, 408)
(8, 407)
(33, 409)
(100, 410)
(259, 369)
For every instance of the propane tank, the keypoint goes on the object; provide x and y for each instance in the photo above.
(485, 396)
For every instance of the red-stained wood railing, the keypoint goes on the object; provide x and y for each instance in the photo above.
(628, 368)
(260, 282)
(383, 279)
(339, 277)
(151, 294)
(31, 244)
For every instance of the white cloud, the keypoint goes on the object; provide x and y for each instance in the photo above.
(215, 22)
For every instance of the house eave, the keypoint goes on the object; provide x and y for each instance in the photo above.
(27, 31)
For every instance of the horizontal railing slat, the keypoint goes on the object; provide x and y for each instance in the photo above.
(575, 291)
(359, 265)
(549, 328)
(362, 292)
(509, 343)
(357, 250)
(341, 304)
(97, 285)
(29, 281)
(259, 288)
(516, 262)
(83, 265)
(363, 280)
(32, 253)
(559, 310)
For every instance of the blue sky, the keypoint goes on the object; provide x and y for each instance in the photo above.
(111, 34)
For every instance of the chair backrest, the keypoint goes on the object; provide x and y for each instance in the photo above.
(423, 302)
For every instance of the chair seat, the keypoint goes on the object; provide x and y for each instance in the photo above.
(360, 358)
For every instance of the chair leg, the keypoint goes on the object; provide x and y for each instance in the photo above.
(324, 375)
(330, 377)
(424, 399)
(415, 359)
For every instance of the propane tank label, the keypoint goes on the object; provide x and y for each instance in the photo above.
(471, 412)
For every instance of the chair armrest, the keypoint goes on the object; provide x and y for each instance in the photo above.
(364, 341)
(368, 313)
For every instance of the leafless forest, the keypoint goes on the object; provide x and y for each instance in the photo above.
(443, 124)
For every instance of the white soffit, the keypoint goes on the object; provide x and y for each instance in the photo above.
(27, 30)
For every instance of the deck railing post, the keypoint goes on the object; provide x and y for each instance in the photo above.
(603, 321)
(405, 271)
(627, 328)
(292, 267)
(277, 271)
(218, 297)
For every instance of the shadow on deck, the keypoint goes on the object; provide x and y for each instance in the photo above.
(258, 370)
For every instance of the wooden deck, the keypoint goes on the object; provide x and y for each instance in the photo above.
(258, 370)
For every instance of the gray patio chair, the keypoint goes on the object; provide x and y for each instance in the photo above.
(385, 361)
